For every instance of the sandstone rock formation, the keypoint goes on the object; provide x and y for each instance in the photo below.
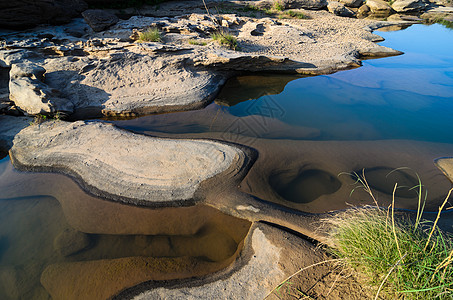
(340, 9)
(405, 6)
(124, 166)
(379, 7)
(98, 19)
(72, 70)
(352, 3)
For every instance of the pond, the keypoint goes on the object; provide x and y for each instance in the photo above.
(390, 113)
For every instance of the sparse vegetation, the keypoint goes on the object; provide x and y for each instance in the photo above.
(402, 257)
(446, 23)
(297, 15)
(195, 42)
(278, 6)
(226, 39)
(150, 35)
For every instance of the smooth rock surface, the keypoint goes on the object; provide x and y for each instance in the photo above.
(339, 9)
(99, 19)
(445, 164)
(379, 7)
(122, 165)
(406, 6)
(21, 14)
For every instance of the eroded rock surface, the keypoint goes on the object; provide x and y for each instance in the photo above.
(74, 70)
(122, 165)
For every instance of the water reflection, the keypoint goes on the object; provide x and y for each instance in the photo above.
(69, 234)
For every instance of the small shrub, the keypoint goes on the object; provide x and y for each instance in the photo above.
(226, 39)
(446, 23)
(279, 6)
(150, 35)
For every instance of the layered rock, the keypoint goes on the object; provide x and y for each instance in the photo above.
(123, 166)
(98, 19)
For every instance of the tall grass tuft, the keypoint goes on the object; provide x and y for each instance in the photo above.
(226, 39)
(402, 258)
(150, 35)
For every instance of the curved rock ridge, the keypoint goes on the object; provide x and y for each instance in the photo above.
(83, 73)
(123, 166)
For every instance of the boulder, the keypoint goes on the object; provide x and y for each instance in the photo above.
(71, 241)
(352, 3)
(99, 20)
(364, 10)
(339, 9)
(306, 4)
(405, 6)
(379, 7)
(22, 14)
(29, 92)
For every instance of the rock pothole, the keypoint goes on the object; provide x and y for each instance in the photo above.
(303, 186)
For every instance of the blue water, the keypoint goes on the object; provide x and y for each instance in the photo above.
(403, 97)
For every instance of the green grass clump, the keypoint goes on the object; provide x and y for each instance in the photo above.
(150, 35)
(195, 42)
(297, 15)
(279, 6)
(401, 257)
(226, 39)
(448, 24)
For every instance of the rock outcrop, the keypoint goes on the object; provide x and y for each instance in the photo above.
(340, 9)
(306, 4)
(98, 19)
(22, 14)
(123, 166)
(408, 6)
(77, 72)
(379, 7)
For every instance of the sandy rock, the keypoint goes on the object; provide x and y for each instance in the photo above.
(364, 9)
(352, 3)
(70, 241)
(31, 94)
(122, 165)
(107, 73)
(306, 4)
(405, 6)
(98, 19)
(379, 7)
(340, 9)
(445, 164)
(29, 13)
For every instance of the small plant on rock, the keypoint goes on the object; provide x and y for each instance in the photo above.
(197, 43)
(226, 39)
(278, 6)
(150, 35)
